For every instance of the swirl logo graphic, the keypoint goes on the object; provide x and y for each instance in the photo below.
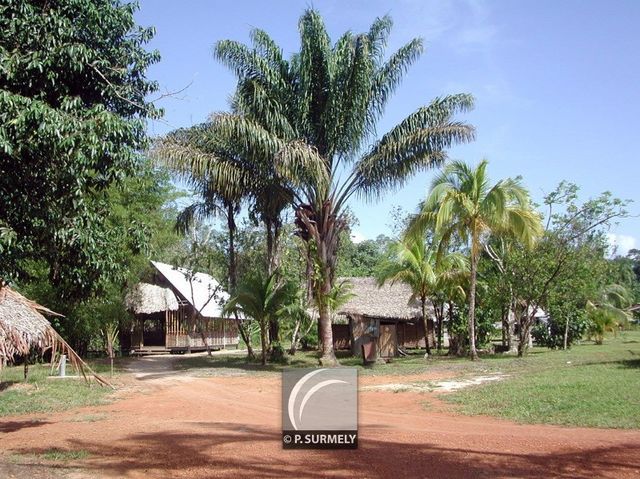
(295, 421)
(320, 408)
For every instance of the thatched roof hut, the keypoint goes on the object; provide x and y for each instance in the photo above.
(147, 298)
(23, 328)
(387, 301)
(386, 316)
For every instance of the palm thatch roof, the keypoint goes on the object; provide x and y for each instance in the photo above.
(23, 328)
(148, 298)
(392, 301)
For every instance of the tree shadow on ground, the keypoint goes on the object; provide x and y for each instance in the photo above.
(630, 363)
(6, 384)
(12, 426)
(229, 450)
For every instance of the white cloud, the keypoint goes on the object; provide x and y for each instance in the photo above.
(621, 244)
(357, 237)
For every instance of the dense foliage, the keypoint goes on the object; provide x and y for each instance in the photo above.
(73, 105)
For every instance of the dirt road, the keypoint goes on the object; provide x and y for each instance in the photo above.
(180, 426)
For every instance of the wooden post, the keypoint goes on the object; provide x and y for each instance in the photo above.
(224, 335)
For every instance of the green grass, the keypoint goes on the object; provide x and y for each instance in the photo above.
(61, 455)
(589, 385)
(42, 395)
(50, 455)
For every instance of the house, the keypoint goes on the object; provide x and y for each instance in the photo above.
(179, 309)
(383, 318)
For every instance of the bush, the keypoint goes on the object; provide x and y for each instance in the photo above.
(551, 334)
(277, 354)
(310, 340)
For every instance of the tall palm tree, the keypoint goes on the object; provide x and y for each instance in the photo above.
(263, 299)
(222, 175)
(421, 268)
(463, 203)
(314, 113)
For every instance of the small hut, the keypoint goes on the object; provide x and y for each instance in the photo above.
(23, 329)
(385, 316)
(163, 310)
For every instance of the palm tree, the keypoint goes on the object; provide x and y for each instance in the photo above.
(462, 202)
(313, 115)
(223, 180)
(422, 269)
(263, 299)
(608, 311)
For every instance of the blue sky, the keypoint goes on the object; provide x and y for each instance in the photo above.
(557, 84)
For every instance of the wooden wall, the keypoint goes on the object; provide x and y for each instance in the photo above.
(341, 336)
(364, 329)
(219, 332)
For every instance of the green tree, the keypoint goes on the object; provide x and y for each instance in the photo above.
(73, 105)
(313, 115)
(263, 299)
(422, 269)
(463, 202)
(567, 267)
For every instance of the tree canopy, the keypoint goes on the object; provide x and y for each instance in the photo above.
(73, 105)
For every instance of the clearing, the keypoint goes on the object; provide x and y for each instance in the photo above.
(173, 417)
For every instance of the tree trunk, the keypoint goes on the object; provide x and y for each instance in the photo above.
(523, 334)
(565, 339)
(328, 357)
(294, 337)
(512, 339)
(321, 228)
(204, 341)
(273, 234)
(472, 300)
(263, 340)
(440, 318)
(425, 321)
(246, 337)
(233, 276)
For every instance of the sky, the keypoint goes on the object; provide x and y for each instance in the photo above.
(557, 84)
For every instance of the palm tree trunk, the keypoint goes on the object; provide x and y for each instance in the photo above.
(328, 357)
(233, 275)
(273, 235)
(472, 299)
(425, 321)
(440, 319)
(263, 341)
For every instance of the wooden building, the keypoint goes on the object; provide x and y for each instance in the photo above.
(178, 309)
(383, 318)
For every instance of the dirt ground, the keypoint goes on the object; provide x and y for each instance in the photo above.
(170, 424)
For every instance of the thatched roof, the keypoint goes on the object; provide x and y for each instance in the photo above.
(148, 298)
(23, 328)
(389, 301)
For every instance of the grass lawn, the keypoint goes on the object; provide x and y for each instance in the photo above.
(42, 395)
(589, 385)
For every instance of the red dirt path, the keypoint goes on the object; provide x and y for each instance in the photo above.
(230, 427)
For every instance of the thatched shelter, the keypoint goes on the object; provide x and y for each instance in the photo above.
(23, 329)
(386, 316)
(148, 298)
